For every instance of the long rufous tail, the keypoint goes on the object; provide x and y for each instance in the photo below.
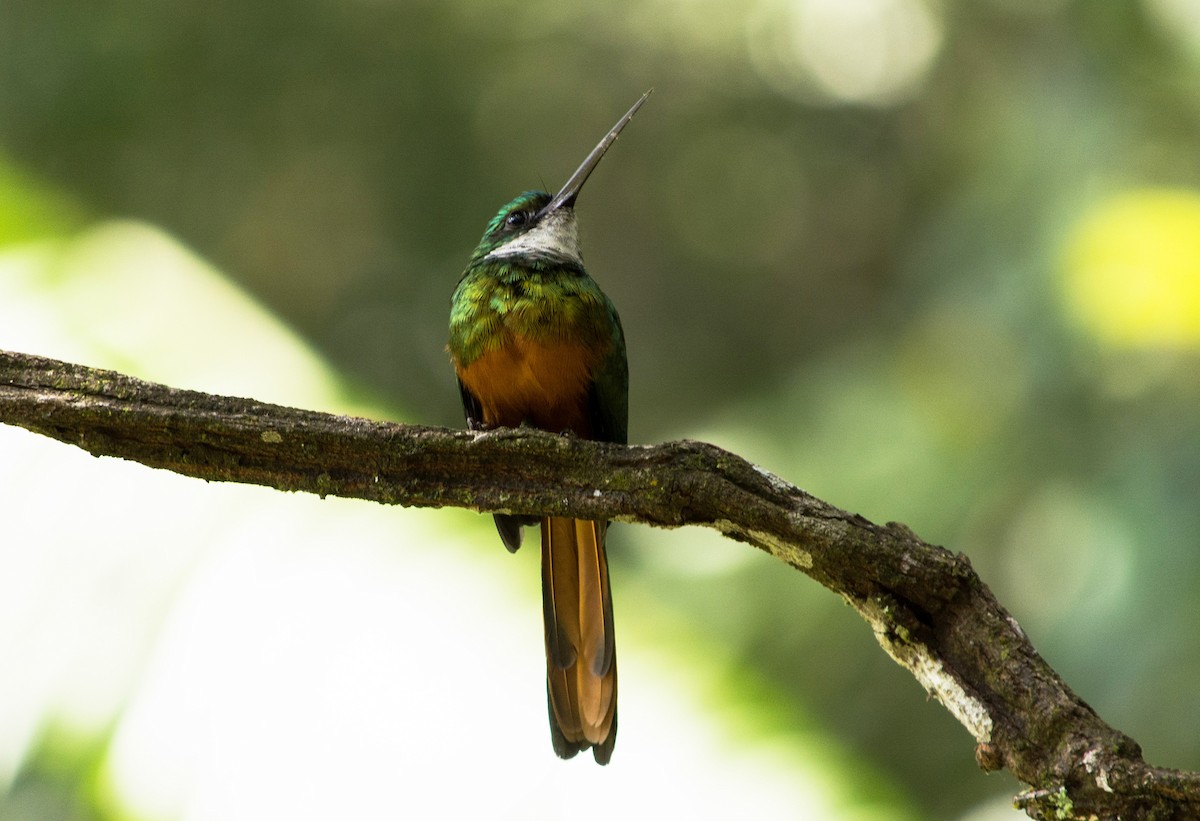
(581, 664)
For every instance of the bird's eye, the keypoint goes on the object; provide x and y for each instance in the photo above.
(516, 219)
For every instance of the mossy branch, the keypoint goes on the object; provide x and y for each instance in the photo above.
(927, 607)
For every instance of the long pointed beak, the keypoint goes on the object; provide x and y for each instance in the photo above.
(571, 190)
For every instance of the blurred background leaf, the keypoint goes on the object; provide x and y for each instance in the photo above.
(933, 261)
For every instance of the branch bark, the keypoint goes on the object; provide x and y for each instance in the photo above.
(927, 607)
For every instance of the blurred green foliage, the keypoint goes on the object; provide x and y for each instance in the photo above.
(935, 262)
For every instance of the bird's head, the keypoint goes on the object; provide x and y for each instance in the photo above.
(536, 225)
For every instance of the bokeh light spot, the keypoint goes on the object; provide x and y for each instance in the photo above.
(1132, 269)
(1067, 555)
(1178, 20)
(872, 52)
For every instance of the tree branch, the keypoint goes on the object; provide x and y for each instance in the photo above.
(927, 607)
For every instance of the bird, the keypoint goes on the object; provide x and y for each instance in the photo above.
(534, 341)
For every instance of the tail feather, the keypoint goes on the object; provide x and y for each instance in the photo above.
(581, 670)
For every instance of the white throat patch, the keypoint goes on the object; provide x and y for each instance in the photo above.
(556, 236)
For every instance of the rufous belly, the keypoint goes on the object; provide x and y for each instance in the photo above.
(528, 382)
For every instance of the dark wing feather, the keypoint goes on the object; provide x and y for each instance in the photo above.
(471, 408)
(608, 395)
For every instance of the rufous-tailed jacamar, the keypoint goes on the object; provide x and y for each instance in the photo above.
(535, 341)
